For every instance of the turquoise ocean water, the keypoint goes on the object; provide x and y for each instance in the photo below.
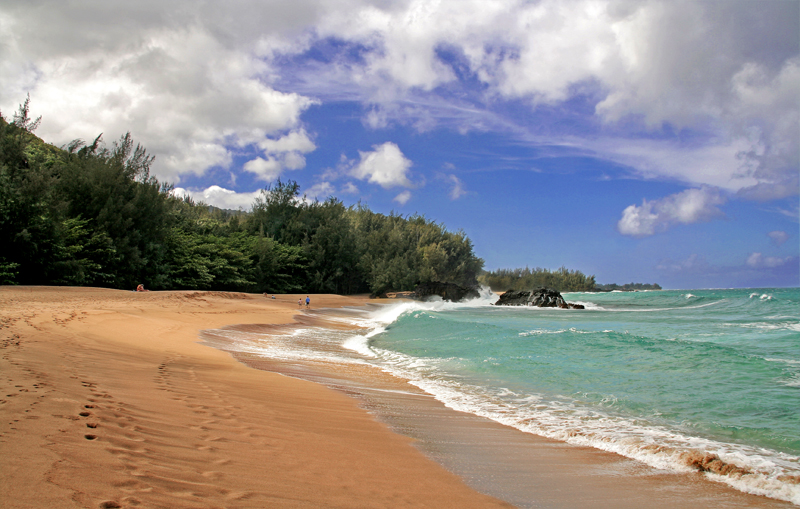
(669, 378)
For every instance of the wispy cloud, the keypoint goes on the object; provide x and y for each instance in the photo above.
(757, 260)
(686, 207)
(756, 270)
(778, 237)
(457, 187)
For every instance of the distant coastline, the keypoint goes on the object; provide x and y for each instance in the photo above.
(629, 287)
(560, 280)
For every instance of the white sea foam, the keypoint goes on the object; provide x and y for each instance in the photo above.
(560, 418)
(536, 332)
(656, 310)
(573, 330)
(359, 344)
(785, 361)
(568, 421)
(792, 326)
(589, 305)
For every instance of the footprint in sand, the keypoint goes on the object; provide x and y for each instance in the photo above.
(239, 495)
(90, 437)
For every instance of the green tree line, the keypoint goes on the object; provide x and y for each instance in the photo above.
(628, 287)
(92, 215)
(561, 280)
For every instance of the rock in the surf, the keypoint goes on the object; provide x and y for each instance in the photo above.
(541, 297)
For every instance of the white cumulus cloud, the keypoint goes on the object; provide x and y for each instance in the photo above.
(295, 141)
(188, 91)
(687, 207)
(266, 169)
(321, 191)
(284, 153)
(220, 197)
(403, 197)
(385, 165)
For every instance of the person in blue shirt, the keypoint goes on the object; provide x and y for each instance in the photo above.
(308, 301)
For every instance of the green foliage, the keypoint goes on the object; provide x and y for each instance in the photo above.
(274, 211)
(87, 214)
(84, 255)
(561, 280)
(352, 249)
(279, 268)
(8, 272)
(29, 216)
(399, 253)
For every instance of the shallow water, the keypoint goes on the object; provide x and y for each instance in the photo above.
(678, 380)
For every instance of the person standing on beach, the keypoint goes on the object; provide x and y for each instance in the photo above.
(308, 301)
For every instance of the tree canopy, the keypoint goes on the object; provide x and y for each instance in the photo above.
(87, 214)
(562, 279)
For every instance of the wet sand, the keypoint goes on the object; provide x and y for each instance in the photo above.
(523, 469)
(107, 399)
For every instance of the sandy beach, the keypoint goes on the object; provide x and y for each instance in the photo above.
(109, 399)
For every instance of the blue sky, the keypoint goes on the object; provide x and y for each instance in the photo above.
(636, 141)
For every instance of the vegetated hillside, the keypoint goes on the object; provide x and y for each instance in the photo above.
(90, 215)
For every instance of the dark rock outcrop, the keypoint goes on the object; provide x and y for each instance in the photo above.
(447, 291)
(542, 297)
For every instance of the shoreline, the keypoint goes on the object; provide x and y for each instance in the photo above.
(179, 424)
(521, 468)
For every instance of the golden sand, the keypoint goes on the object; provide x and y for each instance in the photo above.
(108, 400)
